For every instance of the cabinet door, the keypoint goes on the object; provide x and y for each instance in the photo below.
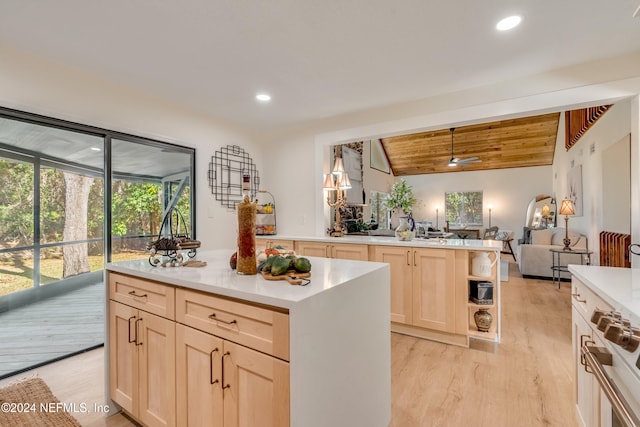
(156, 370)
(198, 378)
(399, 260)
(587, 397)
(318, 249)
(123, 360)
(434, 289)
(348, 251)
(256, 388)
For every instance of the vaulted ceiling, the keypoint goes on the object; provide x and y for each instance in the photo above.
(513, 143)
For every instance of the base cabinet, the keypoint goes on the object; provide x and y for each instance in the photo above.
(423, 286)
(141, 370)
(332, 250)
(221, 383)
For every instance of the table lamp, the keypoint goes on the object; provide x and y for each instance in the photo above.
(337, 181)
(546, 212)
(566, 209)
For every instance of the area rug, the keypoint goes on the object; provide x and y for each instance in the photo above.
(31, 403)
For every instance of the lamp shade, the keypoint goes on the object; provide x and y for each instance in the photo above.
(344, 183)
(328, 183)
(338, 166)
(546, 210)
(566, 207)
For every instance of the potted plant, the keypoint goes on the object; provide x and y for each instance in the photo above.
(402, 198)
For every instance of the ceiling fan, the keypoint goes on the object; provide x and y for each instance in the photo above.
(455, 161)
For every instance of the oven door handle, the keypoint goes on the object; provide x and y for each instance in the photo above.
(618, 403)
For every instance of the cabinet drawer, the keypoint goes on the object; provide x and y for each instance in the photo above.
(256, 327)
(152, 297)
(584, 300)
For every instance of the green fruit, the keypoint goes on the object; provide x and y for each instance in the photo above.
(302, 265)
(292, 259)
(279, 265)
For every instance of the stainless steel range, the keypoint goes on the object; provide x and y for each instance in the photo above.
(606, 318)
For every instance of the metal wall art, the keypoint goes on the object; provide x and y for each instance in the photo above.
(226, 170)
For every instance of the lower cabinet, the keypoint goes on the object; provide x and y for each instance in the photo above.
(422, 286)
(187, 370)
(141, 364)
(434, 304)
(221, 383)
(332, 250)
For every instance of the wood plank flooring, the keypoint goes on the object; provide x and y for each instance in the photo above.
(51, 328)
(527, 381)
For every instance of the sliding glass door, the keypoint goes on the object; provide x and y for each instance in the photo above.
(62, 217)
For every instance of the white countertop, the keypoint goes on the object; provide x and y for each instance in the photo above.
(619, 287)
(490, 245)
(217, 277)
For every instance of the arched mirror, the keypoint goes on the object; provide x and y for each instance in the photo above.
(541, 212)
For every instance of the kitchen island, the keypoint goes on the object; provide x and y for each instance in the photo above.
(205, 346)
(432, 281)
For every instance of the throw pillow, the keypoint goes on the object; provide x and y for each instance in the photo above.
(541, 237)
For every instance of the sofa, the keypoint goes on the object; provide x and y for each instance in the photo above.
(534, 257)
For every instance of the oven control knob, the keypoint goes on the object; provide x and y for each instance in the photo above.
(623, 336)
(606, 321)
(597, 314)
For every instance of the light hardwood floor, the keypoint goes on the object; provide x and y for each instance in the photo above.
(527, 381)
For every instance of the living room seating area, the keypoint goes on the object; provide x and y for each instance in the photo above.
(534, 253)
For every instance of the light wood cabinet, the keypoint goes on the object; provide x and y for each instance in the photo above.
(198, 369)
(266, 242)
(434, 289)
(350, 251)
(141, 369)
(423, 286)
(400, 260)
(221, 383)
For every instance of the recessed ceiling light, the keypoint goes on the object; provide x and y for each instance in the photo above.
(96, 149)
(263, 97)
(508, 23)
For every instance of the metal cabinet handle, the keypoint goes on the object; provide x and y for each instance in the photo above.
(232, 322)
(415, 262)
(138, 342)
(576, 297)
(583, 342)
(131, 340)
(211, 380)
(408, 258)
(133, 294)
(224, 386)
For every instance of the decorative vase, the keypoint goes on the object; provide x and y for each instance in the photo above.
(407, 229)
(483, 319)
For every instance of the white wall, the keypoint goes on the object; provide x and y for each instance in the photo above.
(43, 87)
(614, 125)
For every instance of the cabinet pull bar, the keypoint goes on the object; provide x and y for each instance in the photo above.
(133, 294)
(232, 322)
(415, 264)
(129, 331)
(223, 384)
(408, 258)
(577, 298)
(138, 342)
(618, 403)
(211, 380)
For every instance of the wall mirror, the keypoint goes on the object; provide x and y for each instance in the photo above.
(541, 212)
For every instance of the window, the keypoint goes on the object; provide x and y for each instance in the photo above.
(463, 208)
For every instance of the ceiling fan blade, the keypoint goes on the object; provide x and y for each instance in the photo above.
(468, 160)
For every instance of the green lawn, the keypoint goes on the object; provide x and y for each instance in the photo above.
(17, 274)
